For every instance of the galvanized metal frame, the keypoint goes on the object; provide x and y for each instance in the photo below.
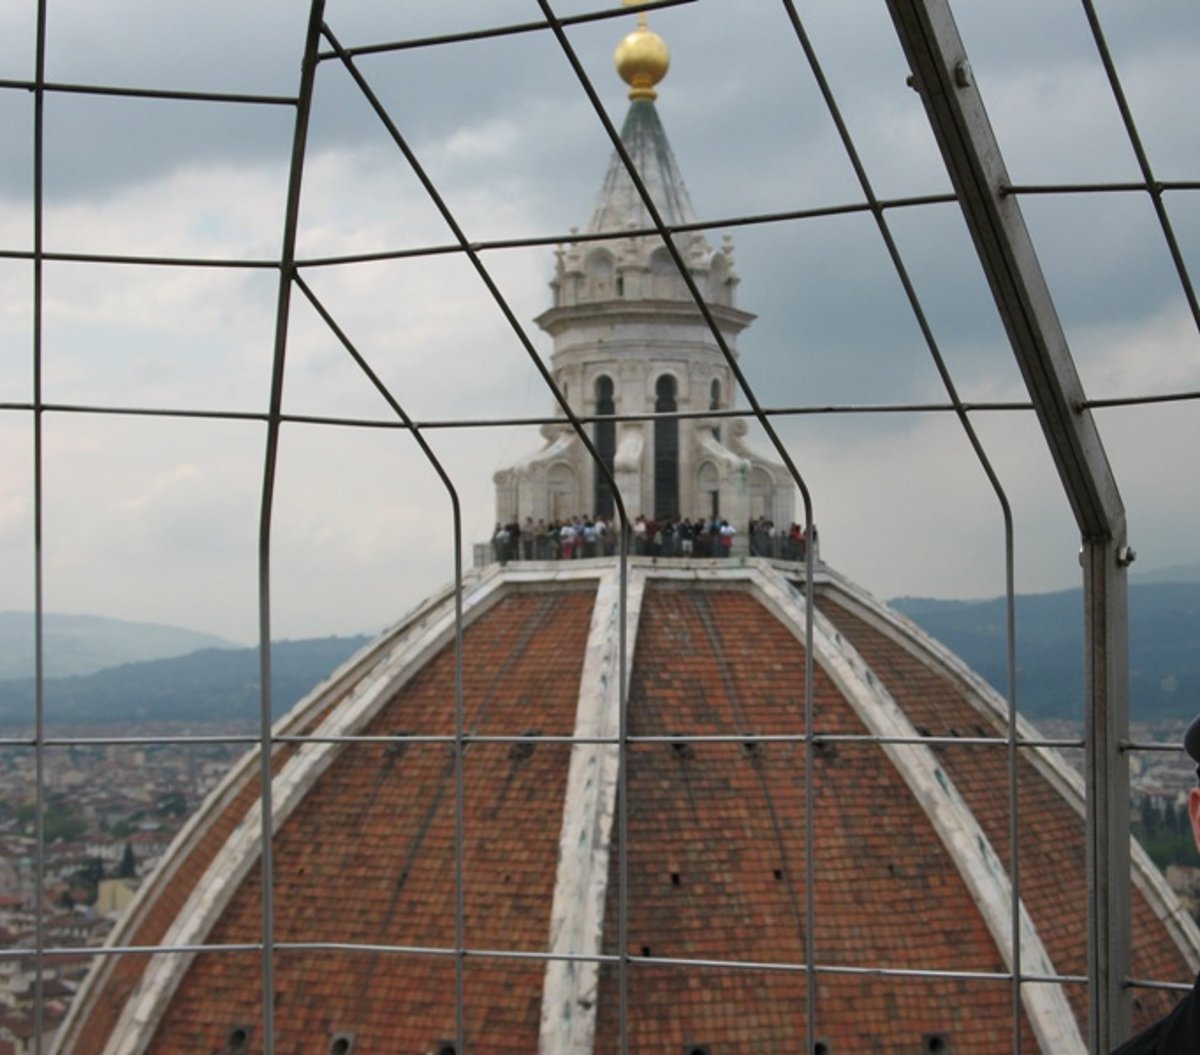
(989, 202)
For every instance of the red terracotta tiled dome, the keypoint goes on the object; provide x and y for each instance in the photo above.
(906, 854)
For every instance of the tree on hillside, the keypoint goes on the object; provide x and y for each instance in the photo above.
(127, 869)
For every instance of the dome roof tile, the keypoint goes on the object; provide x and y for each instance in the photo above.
(717, 859)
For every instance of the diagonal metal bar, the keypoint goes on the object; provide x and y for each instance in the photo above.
(524, 242)
(960, 123)
(492, 32)
(472, 252)
(460, 738)
(168, 94)
(942, 75)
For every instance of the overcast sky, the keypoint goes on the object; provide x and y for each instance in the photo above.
(156, 519)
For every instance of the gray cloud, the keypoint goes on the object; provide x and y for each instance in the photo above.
(504, 130)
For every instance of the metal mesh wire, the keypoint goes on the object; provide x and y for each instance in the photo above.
(871, 204)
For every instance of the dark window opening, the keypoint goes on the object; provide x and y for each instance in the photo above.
(666, 450)
(605, 438)
(697, 1049)
(935, 1044)
(445, 1047)
(822, 1047)
(341, 1044)
(523, 749)
(396, 749)
(824, 749)
(237, 1039)
(682, 749)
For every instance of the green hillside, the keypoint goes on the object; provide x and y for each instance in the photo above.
(1164, 660)
(221, 684)
(208, 685)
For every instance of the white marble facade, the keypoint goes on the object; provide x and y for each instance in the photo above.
(629, 339)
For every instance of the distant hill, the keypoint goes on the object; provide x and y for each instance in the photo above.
(221, 683)
(1173, 573)
(213, 684)
(83, 644)
(1164, 660)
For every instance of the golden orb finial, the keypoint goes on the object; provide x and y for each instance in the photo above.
(642, 59)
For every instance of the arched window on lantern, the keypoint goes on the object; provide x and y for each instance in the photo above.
(666, 449)
(600, 271)
(604, 435)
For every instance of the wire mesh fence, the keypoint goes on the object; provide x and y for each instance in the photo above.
(271, 279)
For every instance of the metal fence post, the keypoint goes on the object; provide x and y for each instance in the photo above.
(1106, 685)
(942, 75)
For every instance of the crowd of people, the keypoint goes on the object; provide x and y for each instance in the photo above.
(593, 536)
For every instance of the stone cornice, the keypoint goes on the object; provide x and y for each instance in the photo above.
(660, 312)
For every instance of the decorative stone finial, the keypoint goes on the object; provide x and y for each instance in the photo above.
(642, 59)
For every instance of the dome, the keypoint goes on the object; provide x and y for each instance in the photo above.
(723, 902)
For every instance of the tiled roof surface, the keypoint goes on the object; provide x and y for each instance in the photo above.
(1051, 847)
(368, 858)
(716, 856)
(717, 861)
